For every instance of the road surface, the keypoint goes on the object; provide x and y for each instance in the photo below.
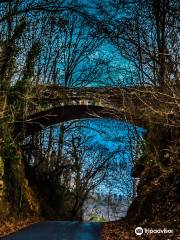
(59, 230)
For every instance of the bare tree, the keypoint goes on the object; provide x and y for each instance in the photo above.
(146, 33)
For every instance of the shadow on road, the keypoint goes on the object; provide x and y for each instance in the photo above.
(59, 230)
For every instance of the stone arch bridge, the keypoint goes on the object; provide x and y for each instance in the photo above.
(51, 104)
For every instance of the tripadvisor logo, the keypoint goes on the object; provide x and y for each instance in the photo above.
(139, 231)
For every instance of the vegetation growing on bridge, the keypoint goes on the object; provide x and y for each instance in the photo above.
(49, 48)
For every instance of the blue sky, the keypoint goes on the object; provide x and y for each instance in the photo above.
(117, 138)
(117, 134)
(114, 135)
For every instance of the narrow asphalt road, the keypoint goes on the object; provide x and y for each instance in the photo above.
(58, 230)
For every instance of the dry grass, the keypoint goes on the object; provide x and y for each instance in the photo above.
(14, 224)
(120, 230)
